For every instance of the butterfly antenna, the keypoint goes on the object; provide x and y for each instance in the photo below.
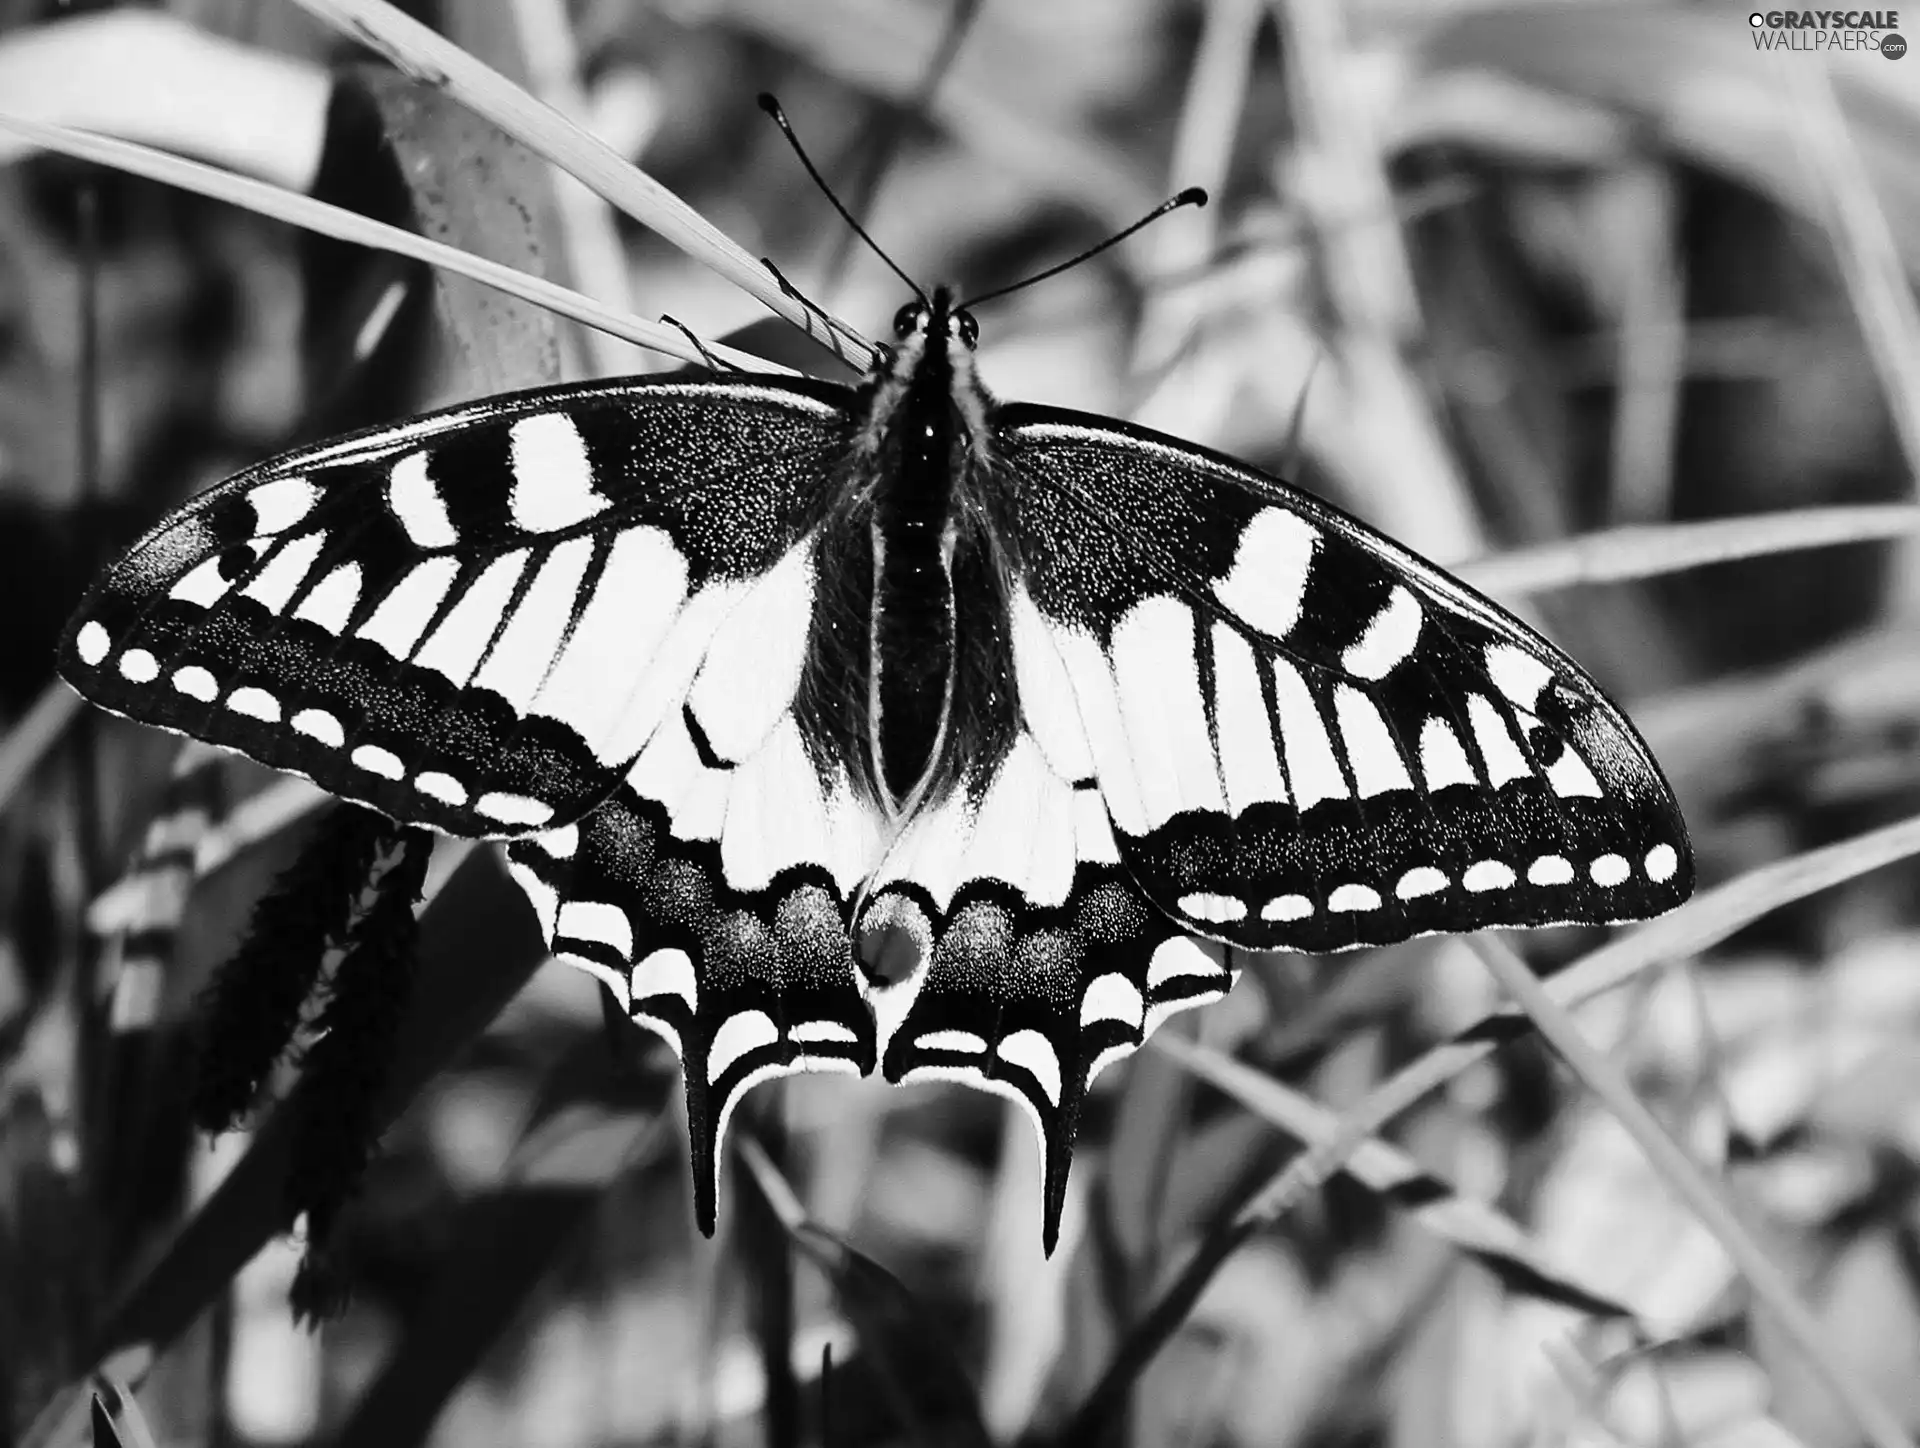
(772, 108)
(1192, 196)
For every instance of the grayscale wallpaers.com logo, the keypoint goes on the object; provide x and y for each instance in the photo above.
(1828, 30)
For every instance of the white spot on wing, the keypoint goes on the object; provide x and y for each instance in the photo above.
(417, 504)
(1178, 956)
(1420, 880)
(255, 704)
(562, 843)
(1569, 775)
(1268, 580)
(634, 600)
(1034, 1052)
(330, 604)
(1503, 757)
(1023, 832)
(1311, 764)
(280, 504)
(965, 1042)
(1112, 997)
(403, 615)
(597, 921)
(1610, 870)
(1216, 909)
(667, 972)
(455, 646)
(1166, 724)
(513, 809)
(775, 814)
(320, 725)
(443, 787)
(1287, 907)
(203, 584)
(553, 485)
(1093, 687)
(137, 666)
(375, 760)
(670, 773)
(1371, 752)
(196, 683)
(1485, 875)
(809, 1031)
(1518, 675)
(1662, 863)
(92, 643)
(740, 1033)
(752, 667)
(274, 586)
(1550, 870)
(1389, 637)
(1249, 758)
(527, 649)
(1443, 761)
(1092, 831)
(1353, 897)
(1047, 703)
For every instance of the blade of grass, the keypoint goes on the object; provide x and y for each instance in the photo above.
(267, 200)
(150, 77)
(506, 1245)
(1618, 554)
(1688, 1182)
(1474, 1227)
(35, 732)
(471, 187)
(594, 259)
(925, 1384)
(433, 60)
(1870, 263)
(1190, 392)
(1705, 920)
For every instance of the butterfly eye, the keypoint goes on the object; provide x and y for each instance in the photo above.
(969, 329)
(907, 320)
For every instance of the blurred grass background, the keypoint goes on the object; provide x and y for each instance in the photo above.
(1490, 276)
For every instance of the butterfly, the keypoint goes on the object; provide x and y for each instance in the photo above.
(892, 726)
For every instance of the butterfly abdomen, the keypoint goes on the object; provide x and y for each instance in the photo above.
(913, 530)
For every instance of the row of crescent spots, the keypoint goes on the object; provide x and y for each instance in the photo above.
(139, 666)
(1607, 871)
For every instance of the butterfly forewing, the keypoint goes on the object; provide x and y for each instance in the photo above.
(1306, 737)
(476, 620)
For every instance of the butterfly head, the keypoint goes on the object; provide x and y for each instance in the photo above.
(939, 316)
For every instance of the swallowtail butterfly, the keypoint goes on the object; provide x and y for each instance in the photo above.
(754, 673)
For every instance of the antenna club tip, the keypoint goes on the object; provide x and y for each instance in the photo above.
(1192, 196)
(766, 101)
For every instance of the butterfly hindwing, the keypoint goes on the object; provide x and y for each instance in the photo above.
(712, 890)
(1306, 737)
(1036, 960)
(473, 621)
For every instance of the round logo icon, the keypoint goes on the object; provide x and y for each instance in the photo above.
(1756, 20)
(1893, 46)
